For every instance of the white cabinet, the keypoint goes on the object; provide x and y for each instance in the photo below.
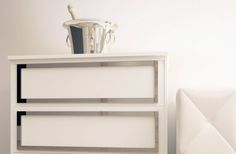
(98, 103)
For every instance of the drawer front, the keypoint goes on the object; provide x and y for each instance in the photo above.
(111, 130)
(88, 82)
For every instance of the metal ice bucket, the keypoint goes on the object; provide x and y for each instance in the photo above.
(90, 35)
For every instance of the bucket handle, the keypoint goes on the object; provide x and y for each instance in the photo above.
(68, 41)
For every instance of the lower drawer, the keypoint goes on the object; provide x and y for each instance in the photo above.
(106, 129)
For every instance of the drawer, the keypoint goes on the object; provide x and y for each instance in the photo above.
(87, 82)
(107, 129)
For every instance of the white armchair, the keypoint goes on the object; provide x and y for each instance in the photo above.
(206, 122)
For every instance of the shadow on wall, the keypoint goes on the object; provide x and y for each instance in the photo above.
(4, 104)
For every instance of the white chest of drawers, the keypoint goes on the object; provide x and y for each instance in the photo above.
(106, 103)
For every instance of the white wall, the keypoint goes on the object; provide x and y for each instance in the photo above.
(199, 36)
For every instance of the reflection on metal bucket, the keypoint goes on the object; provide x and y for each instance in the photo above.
(90, 35)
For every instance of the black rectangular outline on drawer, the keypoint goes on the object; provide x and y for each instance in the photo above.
(153, 63)
(18, 80)
(19, 114)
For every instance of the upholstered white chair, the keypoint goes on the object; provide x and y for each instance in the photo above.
(206, 121)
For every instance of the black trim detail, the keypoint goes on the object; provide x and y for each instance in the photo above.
(18, 80)
(19, 114)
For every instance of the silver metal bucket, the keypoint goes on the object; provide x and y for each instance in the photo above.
(90, 35)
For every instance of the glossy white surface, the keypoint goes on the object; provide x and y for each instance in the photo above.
(112, 130)
(82, 56)
(88, 82)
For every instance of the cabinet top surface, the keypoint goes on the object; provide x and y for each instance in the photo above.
(72, 56)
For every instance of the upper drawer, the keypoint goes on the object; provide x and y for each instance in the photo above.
(87, 82)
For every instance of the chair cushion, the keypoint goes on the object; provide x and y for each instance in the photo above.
(206, 121)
